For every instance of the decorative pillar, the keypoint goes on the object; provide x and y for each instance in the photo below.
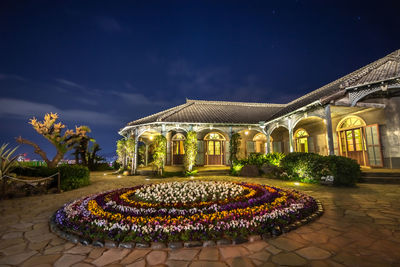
(136, 152)
(329, 134)
(268, 150)
(291, 140)
(146, 158)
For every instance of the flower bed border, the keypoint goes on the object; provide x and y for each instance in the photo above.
(175, 245)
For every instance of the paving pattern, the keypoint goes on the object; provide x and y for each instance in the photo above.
(360, 227)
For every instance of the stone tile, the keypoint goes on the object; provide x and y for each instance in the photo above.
(68, 260)
(209, 254)
(261, 256)
(15, 249)
(255, 246)
(39, 245)
(17, 259)
(41, 259)
(174, 263)
(135, 255)
(156, 257)
(289, 259)
(183, 254)
(233, 251)
(53, 250)
(315, 237)
(273, 249)
(110, 256)
(140, 263)
(96, 253)
(239, 262)
(79, 249)
(82, 264)
(285, 243)
(12, 235)
(313, 253)
(10, 242)
(208, 264)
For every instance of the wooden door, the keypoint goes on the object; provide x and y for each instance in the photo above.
(353, 145)
(214, 152)
(178, 152)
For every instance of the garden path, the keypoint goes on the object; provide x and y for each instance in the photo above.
(360, 227)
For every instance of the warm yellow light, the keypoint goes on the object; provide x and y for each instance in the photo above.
(151, 137)
(104, 174)
(296, 183)
(246, 132)
(119, 176)
(191, 177)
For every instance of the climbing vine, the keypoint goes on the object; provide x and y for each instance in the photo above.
(159, 153)
(234, 145)
(190, 150)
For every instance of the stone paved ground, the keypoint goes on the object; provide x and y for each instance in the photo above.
(360, 227)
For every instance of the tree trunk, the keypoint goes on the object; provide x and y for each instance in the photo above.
(57, 158)
(38, 150)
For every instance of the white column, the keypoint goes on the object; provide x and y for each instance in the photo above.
(268, 145)
(329, 134)
(291, 141)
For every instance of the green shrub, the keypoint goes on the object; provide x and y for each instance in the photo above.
(261, 159)
(73, 176)
(304, 167)
(346, 171)
(310, 167)
(236, 168)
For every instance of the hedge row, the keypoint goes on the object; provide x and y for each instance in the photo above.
(304, 167)
(71, 176)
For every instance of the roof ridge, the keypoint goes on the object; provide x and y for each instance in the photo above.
(173, 111)
(360, 71)
(234, 103)
(155, 114)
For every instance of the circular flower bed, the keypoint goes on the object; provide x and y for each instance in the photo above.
(184, 211)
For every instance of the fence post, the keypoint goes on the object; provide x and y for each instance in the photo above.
(59, 182)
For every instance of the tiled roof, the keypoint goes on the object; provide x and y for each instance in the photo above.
(200, 111)
(385, 68)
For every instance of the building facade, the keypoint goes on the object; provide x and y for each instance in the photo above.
(356, 116)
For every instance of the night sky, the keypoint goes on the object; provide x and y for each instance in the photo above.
(105, 63)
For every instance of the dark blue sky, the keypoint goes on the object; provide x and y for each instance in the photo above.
(105, 63)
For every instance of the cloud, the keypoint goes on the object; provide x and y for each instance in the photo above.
(71, 84)
(108, 24)
(4, 76)
(137, 99)
(27, 109)
(75, 85)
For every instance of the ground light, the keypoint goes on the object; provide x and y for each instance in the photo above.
(119, 176)
(104, 174)
(296, 183)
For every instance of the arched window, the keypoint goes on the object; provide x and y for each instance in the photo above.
(350, 122)
(351, 137)
(301, 140)
(214, 136)
(178, 144)
(259, 142)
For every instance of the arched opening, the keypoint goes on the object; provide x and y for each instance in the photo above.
(214, 148)
(301, 140)
(352, 142)
(145, 148)
(178, 149)
(260, 141)
(280, 137)
(309, 135)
